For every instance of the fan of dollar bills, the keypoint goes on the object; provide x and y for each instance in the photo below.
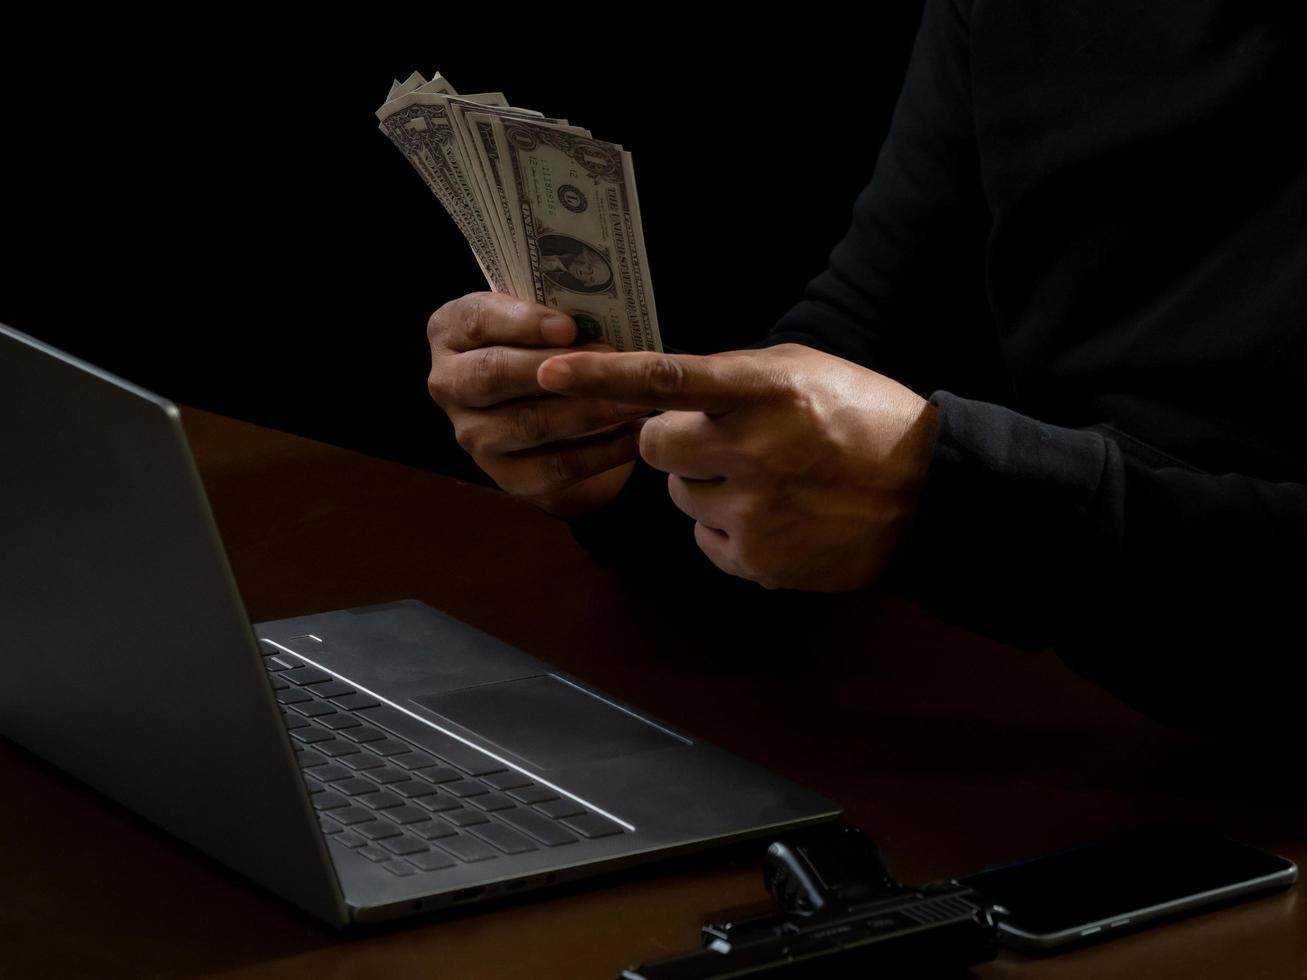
(549, 211)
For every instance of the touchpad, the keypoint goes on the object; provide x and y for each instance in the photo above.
(549, 722)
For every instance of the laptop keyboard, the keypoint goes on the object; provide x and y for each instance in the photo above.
(407, 808)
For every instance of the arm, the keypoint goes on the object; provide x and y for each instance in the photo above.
(903, 293)
(1180, 591)
(1173, 588)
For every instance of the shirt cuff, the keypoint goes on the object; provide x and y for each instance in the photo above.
(1009, 521)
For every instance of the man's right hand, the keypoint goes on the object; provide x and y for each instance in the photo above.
(564, 455)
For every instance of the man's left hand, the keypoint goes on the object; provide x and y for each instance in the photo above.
(801, 470)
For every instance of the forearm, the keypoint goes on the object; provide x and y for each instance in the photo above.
(1176, 589)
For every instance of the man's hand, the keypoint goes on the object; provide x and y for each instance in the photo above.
(800, 469)
(566, 455)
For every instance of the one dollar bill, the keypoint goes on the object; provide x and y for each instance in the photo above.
(550, 212)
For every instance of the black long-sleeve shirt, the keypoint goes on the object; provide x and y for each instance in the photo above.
(1085, 240)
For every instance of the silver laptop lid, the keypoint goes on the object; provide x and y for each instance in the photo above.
(127, 656)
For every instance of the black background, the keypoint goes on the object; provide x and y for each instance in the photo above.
(208, 209)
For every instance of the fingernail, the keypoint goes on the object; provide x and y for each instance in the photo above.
(558, 329)
(558, 373)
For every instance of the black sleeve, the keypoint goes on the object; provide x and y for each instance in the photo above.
(1181, 591)
(904, 290)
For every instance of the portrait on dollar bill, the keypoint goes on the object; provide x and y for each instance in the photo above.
(574, 265)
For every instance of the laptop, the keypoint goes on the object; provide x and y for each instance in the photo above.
(364, 764)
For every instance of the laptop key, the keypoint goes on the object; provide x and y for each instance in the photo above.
(272, 666)
(354, 701)
(355, 785)
(432, 860)
(432, 829)
(387, 776)
(561, 808)
(338, 719)
(347, 838)
(328, 827)
(397, 867)
(506, 839)
(413, 787)
(363, 733)
(463, 817)
(333, 689)
(466, 787)
(592, 825)
(305, 675)
(328, 800)
(374, 853)
(491, 801)
(417, 760)
(308, 758)
(438, 773)
(405, 845)
(362, 761)
(336, 748)
(277, 683)
(294, 721)
(467, 848)
(406, 814)
(314, 709)
(533, 794)
(378, 829)
(381, 800)
(438, 803)
(389, 746)
(310, 735)
(541, 828)
(353, 815)
(330, 773)
(507, 780)
(293, 695)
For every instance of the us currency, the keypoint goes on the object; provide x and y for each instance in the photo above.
(551, 213)
(577, 218)
(418, 123)
(475, 131)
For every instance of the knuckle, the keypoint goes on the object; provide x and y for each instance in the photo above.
(469, 438)
(489, 370)
(521, 311)
(561, 468)
(476, 319)
(438, 386)
(438, 325)
(664, 377)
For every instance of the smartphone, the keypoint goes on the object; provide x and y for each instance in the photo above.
(1145, 876)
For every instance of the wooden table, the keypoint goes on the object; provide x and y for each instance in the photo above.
(952, 751)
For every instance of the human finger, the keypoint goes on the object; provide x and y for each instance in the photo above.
(531, 422)
(487, 319)
(715, 383)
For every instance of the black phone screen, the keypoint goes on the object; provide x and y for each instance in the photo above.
(1139, 873)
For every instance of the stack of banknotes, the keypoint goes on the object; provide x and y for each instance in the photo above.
(550, 212)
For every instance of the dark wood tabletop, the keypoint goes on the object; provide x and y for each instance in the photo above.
(952, 751)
